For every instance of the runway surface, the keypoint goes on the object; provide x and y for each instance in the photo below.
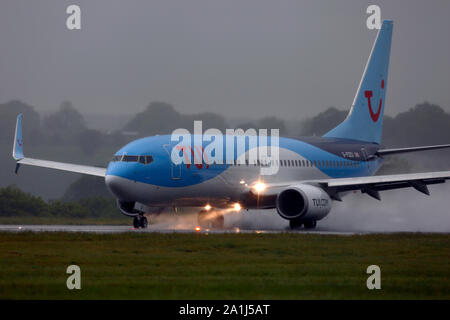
(151, 229)
(109, 229)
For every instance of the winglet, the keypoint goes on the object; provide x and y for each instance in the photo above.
(18, 142)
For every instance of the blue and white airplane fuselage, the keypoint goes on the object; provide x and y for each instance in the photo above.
(162, 183)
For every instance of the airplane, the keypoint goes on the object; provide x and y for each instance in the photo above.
(312, 171)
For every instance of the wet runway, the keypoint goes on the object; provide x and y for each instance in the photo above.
(153, 229)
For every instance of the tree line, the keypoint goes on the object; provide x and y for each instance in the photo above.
(422, 124)
(16, 203)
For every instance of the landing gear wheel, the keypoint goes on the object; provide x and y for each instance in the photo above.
(140, 222)
(311, 224)
(202, 219)
(210, 219)
(218, 222)
(295, 224)
(136, 222)
(144, 223)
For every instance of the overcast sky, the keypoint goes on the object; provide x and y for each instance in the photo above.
(240, 58)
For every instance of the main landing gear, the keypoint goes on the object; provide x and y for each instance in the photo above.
(210, 219)
(140, 221)
(296, 224)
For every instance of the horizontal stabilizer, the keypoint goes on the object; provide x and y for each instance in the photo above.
(385, 152)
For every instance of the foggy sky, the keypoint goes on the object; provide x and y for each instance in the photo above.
(239, 58)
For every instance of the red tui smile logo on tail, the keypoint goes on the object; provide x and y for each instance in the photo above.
(368, 94)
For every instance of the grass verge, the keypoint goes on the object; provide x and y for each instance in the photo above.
(223, 266)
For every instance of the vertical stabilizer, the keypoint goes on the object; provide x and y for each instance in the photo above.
(365, 119)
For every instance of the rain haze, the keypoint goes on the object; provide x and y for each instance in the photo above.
(240, 59)
(237, 58)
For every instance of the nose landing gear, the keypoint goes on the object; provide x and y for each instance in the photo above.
(140, 221)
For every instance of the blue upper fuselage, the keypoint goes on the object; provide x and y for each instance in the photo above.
(336, 158)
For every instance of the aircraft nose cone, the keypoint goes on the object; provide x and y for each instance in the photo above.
(117, 187)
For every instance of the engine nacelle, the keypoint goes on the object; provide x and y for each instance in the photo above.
(303, 201)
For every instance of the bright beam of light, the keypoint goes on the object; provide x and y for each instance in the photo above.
(237, 207)
(259, 187)
(207, 207)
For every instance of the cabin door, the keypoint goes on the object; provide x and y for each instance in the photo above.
(175, 169)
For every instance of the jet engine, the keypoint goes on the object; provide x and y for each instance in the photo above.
(303, 201)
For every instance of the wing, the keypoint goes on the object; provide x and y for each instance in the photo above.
(370, 185)
(93, 171)
(18, 155)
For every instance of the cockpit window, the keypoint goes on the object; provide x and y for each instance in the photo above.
(116, 158)
(130, 158)
(145, 159)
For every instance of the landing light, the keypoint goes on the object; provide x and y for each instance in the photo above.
(237, 207)
(207, 207)
(197, 229)
(259, 187)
